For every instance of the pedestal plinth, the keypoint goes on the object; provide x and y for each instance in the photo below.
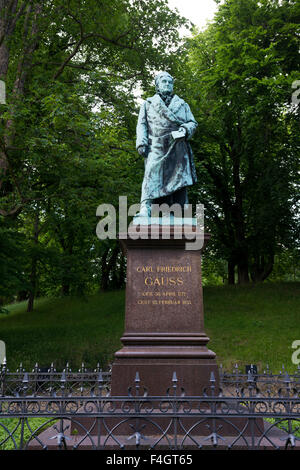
(164, 321)
(164, 333)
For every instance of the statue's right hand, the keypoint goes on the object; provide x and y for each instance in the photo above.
(142, 150)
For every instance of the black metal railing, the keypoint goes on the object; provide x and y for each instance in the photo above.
(46, 409)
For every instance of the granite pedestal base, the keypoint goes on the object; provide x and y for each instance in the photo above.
(164, 326)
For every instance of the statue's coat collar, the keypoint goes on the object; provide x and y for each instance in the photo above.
(170, 111)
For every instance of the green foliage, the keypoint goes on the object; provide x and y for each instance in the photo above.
(292, 427)
(11, 263)
(286, 266)
(214, 269)
(67, 133)
(238, 76)
(245, 324)
(20, 427)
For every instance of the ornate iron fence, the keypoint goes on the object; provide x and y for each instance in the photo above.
(46, 409)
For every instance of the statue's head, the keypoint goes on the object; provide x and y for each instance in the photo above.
(164, 83)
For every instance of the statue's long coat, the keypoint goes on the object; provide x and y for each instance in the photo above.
(169, 165)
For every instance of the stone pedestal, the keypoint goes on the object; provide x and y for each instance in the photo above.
(164, 333)
(164, 321)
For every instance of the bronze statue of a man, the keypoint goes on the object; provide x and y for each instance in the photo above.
(165, 125)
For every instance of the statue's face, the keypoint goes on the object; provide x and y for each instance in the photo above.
(165, 85)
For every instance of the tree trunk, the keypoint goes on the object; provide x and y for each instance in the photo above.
(10, 13)
(231, 269)
(243, 269)
(108, 264)
(104, 272)
(122, 271)
(33, 285)
(262, 267)
(4, 61)
(33, 274)
(22, 295)
(65, 288)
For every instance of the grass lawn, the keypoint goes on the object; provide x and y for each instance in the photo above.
(14, 426)
(252, 324)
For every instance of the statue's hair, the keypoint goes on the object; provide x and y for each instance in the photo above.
(161, 74)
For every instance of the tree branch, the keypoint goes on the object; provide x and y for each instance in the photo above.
(84, 37)
(9, 26)
(61, 68)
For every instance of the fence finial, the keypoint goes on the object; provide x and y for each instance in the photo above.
(25, 378)
(287, 379)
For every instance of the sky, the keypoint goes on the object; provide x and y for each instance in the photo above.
(198, 11)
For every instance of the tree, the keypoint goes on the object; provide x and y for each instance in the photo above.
(107, 47)
(67, 129)
(12, 262)
(239, 78)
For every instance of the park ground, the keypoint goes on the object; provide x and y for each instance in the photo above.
(247, 324)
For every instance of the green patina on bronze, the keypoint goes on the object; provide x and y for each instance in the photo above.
(165, 126)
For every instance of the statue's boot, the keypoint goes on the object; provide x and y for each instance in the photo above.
(145, 210)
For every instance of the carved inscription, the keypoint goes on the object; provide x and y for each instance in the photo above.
(164, 285)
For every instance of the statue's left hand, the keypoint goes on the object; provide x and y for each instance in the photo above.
(180, 134)
(183, 131)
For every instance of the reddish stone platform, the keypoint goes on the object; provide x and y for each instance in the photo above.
(164, 325)
(275, 439)
(164, 321)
